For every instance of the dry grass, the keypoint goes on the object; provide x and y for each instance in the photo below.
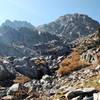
(21, 79)
(70, 64)
(93, 81)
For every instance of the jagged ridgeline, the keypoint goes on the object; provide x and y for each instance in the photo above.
(18, 38)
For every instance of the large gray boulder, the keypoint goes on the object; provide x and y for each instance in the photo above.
(5, 73)
(34, 72)
(85, 92)
(30, 72)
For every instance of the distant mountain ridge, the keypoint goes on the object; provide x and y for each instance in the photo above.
(19, 37)
(17, 24)
(19, 42)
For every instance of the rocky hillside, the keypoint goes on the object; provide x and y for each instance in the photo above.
(38, 65)
(71, 26)
(19, 42)
(75, 76)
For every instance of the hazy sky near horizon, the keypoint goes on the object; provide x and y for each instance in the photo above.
(40, 12)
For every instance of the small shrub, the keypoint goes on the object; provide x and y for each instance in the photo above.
(70, 64)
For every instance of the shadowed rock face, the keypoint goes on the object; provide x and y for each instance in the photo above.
(35, 72)
(5, 74)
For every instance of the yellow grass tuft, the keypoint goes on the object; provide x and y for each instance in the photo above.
(70, 64)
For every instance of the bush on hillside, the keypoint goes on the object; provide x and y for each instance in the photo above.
(70, 64)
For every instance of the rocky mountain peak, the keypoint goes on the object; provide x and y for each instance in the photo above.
(17, 24)
(71, 26)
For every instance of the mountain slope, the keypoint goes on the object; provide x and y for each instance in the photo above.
(20, 37)
(20, 42)
(71, 26)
